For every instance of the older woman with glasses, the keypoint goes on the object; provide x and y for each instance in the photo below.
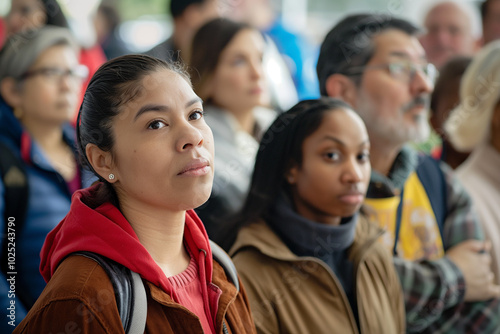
(27, 15)
(40, 79)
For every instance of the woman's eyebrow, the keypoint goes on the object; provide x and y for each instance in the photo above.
(365, 142)
(151, 107)
(163, 108)
(340, 142)
(331, 138)
(194, 101)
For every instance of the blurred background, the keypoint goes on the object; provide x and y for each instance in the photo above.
(145, 23)
(298, 26)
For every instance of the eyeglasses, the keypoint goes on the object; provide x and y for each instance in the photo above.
(403, 71)
(56, 74)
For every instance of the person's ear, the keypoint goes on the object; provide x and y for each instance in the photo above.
(10, 92)
(291, 175)
(102, 162)
(341, 87)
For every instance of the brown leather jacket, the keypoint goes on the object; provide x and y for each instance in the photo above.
(291, 294)
(79, 298)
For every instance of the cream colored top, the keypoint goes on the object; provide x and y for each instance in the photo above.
(480, 175)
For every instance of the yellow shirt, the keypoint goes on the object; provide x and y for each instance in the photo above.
(419, 235)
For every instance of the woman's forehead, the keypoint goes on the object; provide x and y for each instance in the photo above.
(342, 123)
(161, 87)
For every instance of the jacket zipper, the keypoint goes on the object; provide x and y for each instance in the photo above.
(363, 250)
(339, 287)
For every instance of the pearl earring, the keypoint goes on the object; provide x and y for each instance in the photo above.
(111, 176)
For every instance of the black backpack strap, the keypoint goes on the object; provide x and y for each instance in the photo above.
(15, 182)
(130, 293)
(225, 261)
(16, 193)
(430, 174)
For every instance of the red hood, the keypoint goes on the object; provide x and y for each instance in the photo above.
(105, 231)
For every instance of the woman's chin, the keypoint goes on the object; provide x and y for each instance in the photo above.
(199, 199)
(351, 211)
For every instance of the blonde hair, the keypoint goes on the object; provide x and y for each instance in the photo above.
(469, 123)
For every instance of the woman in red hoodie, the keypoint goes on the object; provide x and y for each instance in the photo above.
(142, 132)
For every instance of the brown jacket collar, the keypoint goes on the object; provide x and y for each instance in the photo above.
(259, 235)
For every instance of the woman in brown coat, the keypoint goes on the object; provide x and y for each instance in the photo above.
(142, 132)
(310, 260)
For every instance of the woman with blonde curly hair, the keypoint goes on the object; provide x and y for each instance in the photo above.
(475, 126)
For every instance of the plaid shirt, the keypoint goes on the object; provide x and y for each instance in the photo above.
(434, 290)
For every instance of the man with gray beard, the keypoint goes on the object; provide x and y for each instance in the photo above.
(376, 63)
